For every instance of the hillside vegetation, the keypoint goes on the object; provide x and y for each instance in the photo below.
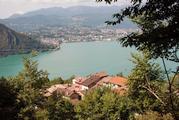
(13, 42)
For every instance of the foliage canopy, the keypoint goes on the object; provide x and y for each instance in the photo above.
(158, 21)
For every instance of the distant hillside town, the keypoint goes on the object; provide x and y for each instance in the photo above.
(79, 34)
(72, 24)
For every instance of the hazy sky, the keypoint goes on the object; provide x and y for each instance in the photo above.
(9, 7)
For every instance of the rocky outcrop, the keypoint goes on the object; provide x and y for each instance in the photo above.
(12, 42)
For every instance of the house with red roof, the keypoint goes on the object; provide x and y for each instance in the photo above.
(117, 84)
(93, 80)
(80, 85)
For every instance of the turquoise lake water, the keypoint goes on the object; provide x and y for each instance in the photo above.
(77, 59)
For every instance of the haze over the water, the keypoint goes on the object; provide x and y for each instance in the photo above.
(10, 7)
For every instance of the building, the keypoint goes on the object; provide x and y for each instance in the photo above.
(117, 84)
(92, 80)
(68, 93)
(52, 89)
(75, 91)
(78, 80)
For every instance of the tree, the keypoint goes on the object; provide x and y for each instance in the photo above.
(158, 21)
(26, 92)
(145, 82)
(148, 88)
(28, 85)
(41, 114)
(60, 109)
(154, 116)
(8, 106)
(120, 74)
(159, 24)
(32, 100)
(34, 77)
(103, 104)
(59, 80)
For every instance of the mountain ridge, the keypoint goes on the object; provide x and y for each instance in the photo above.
(58, 16)
(69, 10)
(13, 42)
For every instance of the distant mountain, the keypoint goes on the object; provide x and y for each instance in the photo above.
(15, 15)
(12, 42)
(72, 11)
(77, 15)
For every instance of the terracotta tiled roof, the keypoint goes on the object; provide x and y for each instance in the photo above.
(118, 81)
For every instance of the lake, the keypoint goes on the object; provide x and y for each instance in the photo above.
(78, 59)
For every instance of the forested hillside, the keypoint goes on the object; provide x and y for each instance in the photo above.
(13, 42)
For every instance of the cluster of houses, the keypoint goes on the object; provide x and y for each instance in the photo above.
(80, 85)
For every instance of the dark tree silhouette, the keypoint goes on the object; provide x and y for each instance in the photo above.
(8, 106)
(159, 24)
(158, 21)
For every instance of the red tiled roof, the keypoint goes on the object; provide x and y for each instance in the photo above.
(118, 81)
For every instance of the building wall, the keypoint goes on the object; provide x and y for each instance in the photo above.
(84, 88)
(74, 81)
(113, 86)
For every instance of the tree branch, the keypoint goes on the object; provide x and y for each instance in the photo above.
(152, 92)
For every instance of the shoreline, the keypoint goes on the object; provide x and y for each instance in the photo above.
(15, 52)
(49, 50)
